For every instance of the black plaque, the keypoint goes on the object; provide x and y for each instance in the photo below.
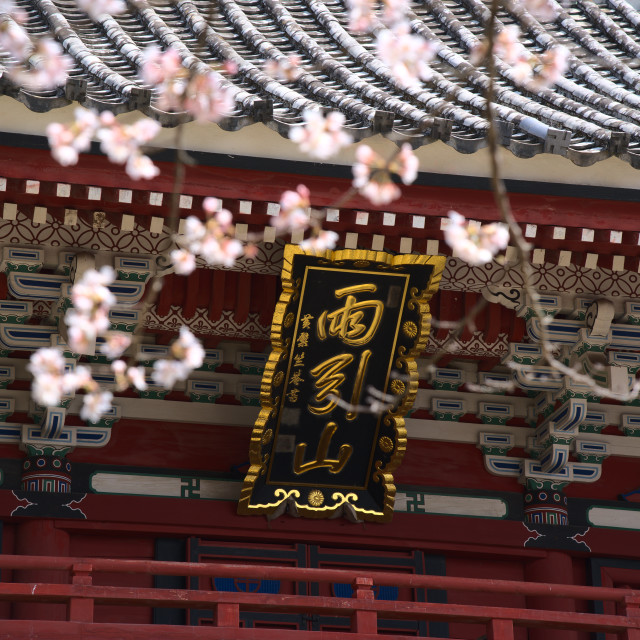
(340, 378)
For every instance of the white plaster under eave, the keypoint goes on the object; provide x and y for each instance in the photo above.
(261, 142)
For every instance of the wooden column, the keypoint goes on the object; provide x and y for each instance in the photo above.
(557, 568)
(40, 537)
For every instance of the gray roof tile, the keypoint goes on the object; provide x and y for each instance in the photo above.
(591, 114)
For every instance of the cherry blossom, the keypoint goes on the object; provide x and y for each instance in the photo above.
(95, 404)
(321, 137)
(323, 241)
(49, 66)
(206, 99)
(188, 349)
(184, 262)
(89, 317)
(167, 372)
(554, 63)
(97, 8)
(200, 94)
(128, 375)
(188, 355)
(543, 10)
(284, 69)
(13, 38)
(121, 143)
(294, 210)
(115, 344)
(361, 15)
(407, 55)
(47, 368)
(475, 243)
(371, 173)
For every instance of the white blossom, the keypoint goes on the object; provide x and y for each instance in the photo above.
(407, 55)
(95, 405)
(474, 243)
(321, 137)
(167, 372)
(97, 8)
(115, 344)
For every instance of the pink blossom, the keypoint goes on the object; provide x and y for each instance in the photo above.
(543, 10)
(95, 405)
(507, 45)
(407, 55)
(160, 67)
(14, 39)
(322, 242)
(220, 250)
(115, 344)
(167, 372)
(321, 137)
(47, 390)
(472, 242)
(555, 62)
(206, 99)
(371, 175)
(50, 66)
(188, 349)
(211, 205)
(224, 218)
(361, 15)
(294, 209)
(9, 8)
(140, 167)
(405, 164)
(136, 376)
(284, 69)
(97, 8)
(46, 360)
(184, 262)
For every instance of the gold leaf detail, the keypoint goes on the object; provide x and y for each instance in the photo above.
(277, 380)
(315, 498)
(397, 387)
(410, 329)
(266, 436)
(288, 321)
(386, 444)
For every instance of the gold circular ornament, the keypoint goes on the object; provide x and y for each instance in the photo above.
(410, 329)
(361, 264)
(397, 387)
(278, 378)
(386, 444)
(315, 498)
(266, 436)
(288, 320)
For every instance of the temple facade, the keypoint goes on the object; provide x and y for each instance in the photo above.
(512, 513)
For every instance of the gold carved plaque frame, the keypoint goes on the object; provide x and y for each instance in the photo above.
(303, 410)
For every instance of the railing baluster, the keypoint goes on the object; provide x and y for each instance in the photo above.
(631, 608)
(364, 621)
(227, 615)
(500, 630)
(81, 609)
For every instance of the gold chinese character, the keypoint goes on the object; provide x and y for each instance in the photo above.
(298, 359)
(293, 395)
(347, 322)
(303, 340)
(335, 465)
(296, 379)
(306, 321)
(328, 380)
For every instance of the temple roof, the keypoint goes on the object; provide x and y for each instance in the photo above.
(590, 114)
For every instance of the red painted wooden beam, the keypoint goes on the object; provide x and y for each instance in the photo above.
(296, 574)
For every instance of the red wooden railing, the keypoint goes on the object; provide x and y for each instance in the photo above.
(81, 595)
